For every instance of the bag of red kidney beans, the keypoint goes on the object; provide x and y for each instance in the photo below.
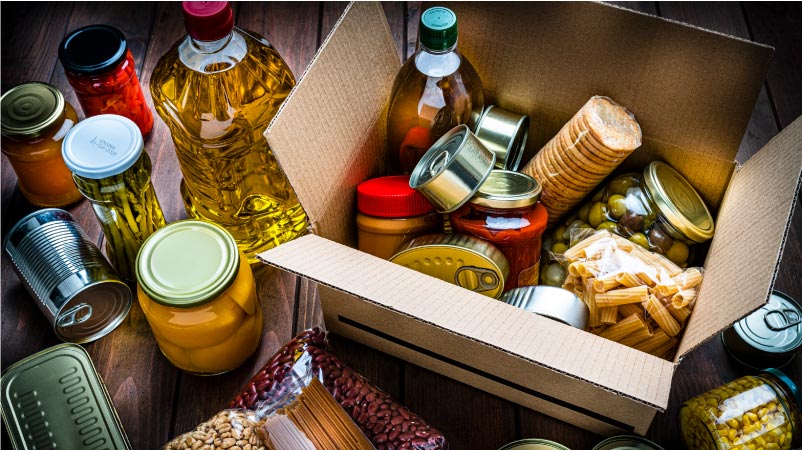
(388, 425)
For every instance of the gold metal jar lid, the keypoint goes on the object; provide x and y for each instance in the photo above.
(505, 189)
(678, 202)
(453, 169)
(30, 108)
(504, 133)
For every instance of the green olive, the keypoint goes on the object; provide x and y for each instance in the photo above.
(557, 234)
(554, 275)
(607, 225)
(572, 226)
(678, 253)
(621, 184)
(616, 205)
(640, 239)
(597, 196)
(598, 214)
(559, 248)
(584, 211)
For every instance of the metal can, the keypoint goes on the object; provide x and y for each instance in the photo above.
(504, 133)
(769, 336)
(466, 261)
(627, 443)
(65, 273)
(453, 169)
(534, 444)
(56, 399)
(552, 302)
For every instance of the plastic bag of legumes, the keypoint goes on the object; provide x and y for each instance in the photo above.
(231, 428)
(385, 423)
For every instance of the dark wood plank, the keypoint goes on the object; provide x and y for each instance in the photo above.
(413, 21)
(330, 15)
(396, 18)
(780, 25)
(534, 424)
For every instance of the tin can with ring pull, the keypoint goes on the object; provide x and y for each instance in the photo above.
(67, 276)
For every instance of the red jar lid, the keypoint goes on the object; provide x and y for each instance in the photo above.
(208, 21)
(391, 197)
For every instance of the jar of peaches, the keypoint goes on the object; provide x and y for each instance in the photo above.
(199, 296)
(753, 412)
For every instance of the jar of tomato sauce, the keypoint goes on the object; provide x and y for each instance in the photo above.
(506, 212)
(100, 67)
(199, 296)
(35, 118)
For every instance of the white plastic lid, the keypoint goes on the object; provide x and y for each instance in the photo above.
(102, 146)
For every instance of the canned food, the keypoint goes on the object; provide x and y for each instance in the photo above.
(56, 399)
(67, 276)
(534, 444)
(453, 169)
(463, 260)
(627, 443)
(769, 336)
(504, 133)
(552, 302)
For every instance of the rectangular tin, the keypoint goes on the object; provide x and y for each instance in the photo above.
(56, 399)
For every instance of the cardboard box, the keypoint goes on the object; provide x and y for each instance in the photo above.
(691, 90)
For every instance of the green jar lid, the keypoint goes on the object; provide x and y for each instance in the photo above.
(30, 108)
(438, 28)
(187, 263)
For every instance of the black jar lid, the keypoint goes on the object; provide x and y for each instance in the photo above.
(92, 50)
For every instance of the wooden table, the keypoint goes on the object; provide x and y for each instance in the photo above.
(156, 401)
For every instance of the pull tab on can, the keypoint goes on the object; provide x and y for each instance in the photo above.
(476, 279)
(75, 315)
(787, 318)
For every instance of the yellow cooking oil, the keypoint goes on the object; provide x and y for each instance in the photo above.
(217, 98)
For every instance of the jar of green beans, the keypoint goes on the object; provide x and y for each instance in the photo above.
(110, 167)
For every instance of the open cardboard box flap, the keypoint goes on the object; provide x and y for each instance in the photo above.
(691, 90)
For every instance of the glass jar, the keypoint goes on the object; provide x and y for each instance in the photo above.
(35, 118)
(755, 411)
(506, 212)
(435, 90)
(199, 296)
(110, 167)
(101, 69)
(390, 214)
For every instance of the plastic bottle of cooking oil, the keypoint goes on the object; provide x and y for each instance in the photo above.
(435, 90)
(217, 89)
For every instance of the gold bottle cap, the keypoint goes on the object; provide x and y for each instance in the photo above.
(30, 108)
(505, 189)
(678, 202)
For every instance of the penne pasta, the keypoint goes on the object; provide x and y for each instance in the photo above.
(660, 314)
(650, 344)
(605, 283)
(594, 319)
(628, 325)
(689, 278)
(628, 279)
(628, 309)
(683, 298)
(638, 335)
(608, 315)
(615, 297)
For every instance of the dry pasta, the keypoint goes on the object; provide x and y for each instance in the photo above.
(608, 315)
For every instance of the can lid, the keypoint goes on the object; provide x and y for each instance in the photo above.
(39, 393)
(187, 263)
(552, 302)
(533, 444)
(102, 146)
(774, 328)
(30, 108)
(438, 28)
(678, 202)
(627, 443)
(208, 21)
(92, 50)
(506, 189)
(391, 197)
(789, 383)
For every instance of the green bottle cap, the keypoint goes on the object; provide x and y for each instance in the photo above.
(30, 108)
(187, 263)
(438, 28)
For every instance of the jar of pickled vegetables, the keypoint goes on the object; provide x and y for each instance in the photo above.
(110, 167)
(505, 211)
(35, 118)
(199, 296)
(753, 412)
(101, 69)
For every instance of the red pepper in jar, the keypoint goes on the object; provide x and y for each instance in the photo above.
(101, 69)
(506, 212)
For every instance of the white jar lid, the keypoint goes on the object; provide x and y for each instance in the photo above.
(102, 146)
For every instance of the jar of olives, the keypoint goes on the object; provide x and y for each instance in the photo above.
(657, 209)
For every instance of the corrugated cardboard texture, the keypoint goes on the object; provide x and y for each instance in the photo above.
(749, 239)
(498, 327)
(689, 89)
(330, 134)
(531, 385)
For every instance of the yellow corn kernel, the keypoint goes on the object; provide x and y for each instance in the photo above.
(732, 423)
(746, 420)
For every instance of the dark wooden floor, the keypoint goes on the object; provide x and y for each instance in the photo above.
(156, 402)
